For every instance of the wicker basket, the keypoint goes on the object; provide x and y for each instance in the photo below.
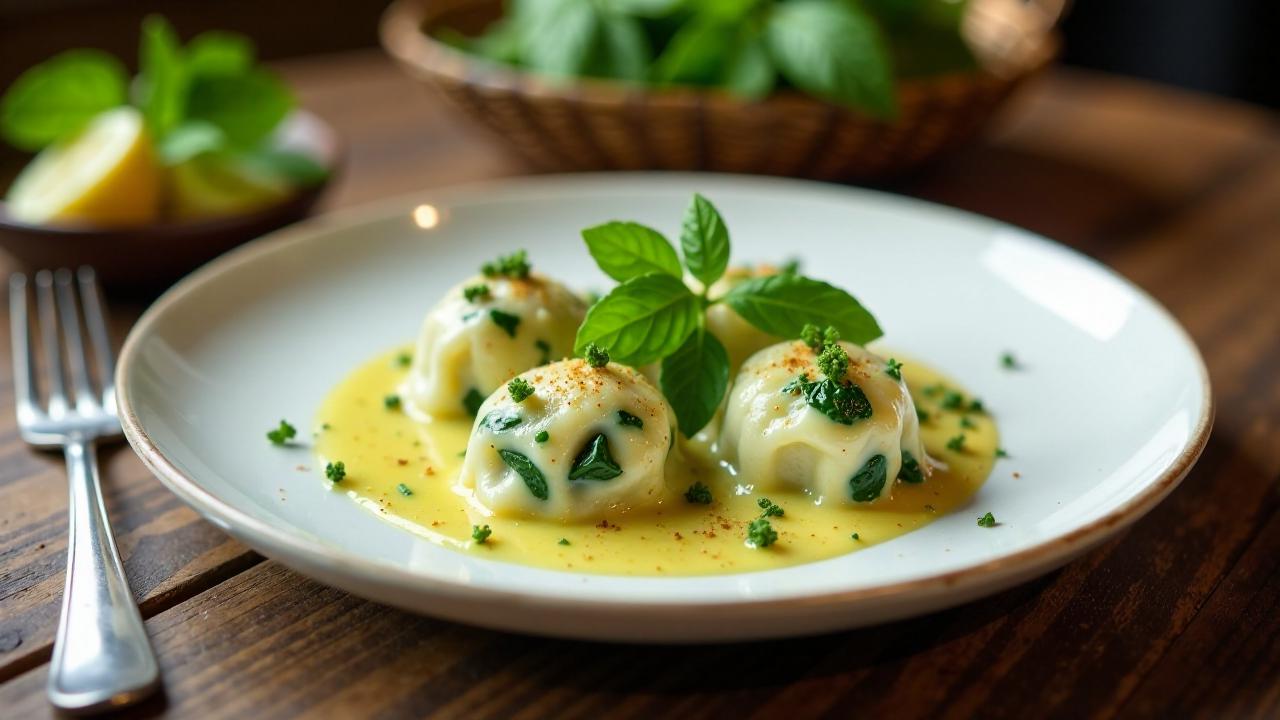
(602, 125)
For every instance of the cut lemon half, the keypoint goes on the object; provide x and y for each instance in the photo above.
(106, 175)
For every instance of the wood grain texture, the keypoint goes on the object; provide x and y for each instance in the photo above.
(1178, 617)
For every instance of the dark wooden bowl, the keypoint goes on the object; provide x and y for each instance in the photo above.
(142, 261)
(592, 124)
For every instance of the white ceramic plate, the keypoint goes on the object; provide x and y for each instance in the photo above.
(1110, 412)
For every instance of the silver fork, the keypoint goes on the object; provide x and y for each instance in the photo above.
(101, 656)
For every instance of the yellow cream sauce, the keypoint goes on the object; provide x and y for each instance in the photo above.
(386, 453)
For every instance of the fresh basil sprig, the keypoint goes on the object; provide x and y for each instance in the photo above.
(653, 316)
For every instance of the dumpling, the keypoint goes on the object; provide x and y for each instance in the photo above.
(785, 427)
(483, 332)
(740, 338)
(587, 441)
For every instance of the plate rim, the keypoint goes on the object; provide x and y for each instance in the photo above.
(1026, 562)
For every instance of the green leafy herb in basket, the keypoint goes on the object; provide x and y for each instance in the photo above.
(845, 51)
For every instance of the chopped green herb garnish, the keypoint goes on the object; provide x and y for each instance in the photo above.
(542, 436)
(520, 389)
(563, 541)
(760, 533)
(282, 434)
(335, 471)
(475, 292)
(404, 490)
(922, 415)
(1008, 361)
(404, 359)
(934, 390)
(1001, 453)
(966, 423)
(326, 426)
(910, 472)
(812, 336)
(524, 467)
(506, 321)
(516, 265)
(977, 406)
(500, 420)
(391, 402)
(893, 369)
(987, 521)
(769, 508)
(480, 534)
(844, 403)
(626, 418)
(472, 401)
(595, 462)
(952, 400)
(698, 494)
(545, 347)
(854, 536)
(956, 443)
(867, 484)
(597, 356)
(833, 361)
(796, 385)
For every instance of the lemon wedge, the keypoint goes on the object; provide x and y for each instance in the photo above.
(209, 186)
(106, 175)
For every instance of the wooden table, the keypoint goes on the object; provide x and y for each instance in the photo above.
(1179, 616)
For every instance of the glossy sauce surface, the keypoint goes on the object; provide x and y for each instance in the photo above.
(406, 472)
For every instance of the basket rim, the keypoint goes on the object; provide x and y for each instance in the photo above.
(402, 37)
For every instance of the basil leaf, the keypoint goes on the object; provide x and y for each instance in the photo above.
(245, 107)
(624, 250)
(559, 36)
(56, 98)
(500, 420)
(189, 140)
(219, 53)
(694, 379)
(299, 169)
(910, 472)
(595, 462)
(704, 240)
(527, 471)
(783, 304)
(749, 73)
(831, 49)
(162, 77)
(622, 50)
(867, 484)
(642, 320)
(844, 403)
(644, 8)
(696, 53)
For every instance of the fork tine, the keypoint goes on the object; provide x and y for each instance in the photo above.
(24, 375)
(48, 312)
(67, 305)
(95, 319)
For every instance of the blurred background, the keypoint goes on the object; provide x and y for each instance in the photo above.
(1225, 47)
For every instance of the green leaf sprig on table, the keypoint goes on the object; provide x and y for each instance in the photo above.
(653, 316)
(845, 51)
(207, 97)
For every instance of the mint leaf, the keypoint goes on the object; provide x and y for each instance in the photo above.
(644, 8)
(831, 49)
(704, 240)
(189, 140)
(162, 76)
(694, 379)
(624, 250)
(696, 53)
(56, 98)
(298, 169)
(783, 304)
(642, 320)
(245, 107)
(219, 53)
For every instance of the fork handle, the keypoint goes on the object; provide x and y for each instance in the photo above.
(101, 657)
